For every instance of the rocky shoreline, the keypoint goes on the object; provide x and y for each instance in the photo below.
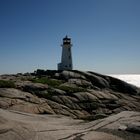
(76, 94)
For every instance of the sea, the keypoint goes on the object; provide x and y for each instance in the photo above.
(129, 78)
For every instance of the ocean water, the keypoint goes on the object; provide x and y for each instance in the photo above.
(129, 78)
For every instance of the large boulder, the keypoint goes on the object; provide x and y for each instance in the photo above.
(15, 94)
(71, 74)
(23, 101)
(31, 87)
(123, 87)
(80, 82)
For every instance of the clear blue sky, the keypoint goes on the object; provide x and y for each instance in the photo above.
(105, 34)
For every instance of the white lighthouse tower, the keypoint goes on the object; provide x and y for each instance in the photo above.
(66, 58)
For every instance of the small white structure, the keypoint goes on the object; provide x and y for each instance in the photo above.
(66, 58)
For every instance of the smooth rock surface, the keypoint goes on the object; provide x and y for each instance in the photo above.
(16, 125)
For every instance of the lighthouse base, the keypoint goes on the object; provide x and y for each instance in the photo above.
(61, 66)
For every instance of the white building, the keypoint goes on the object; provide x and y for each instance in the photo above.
(66, 58)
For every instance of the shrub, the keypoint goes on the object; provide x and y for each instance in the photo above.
(45, 80)
(6, 84)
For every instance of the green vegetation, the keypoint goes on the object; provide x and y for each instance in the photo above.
(46, 80)
(43, 94)
(71, 89)
(6, 84)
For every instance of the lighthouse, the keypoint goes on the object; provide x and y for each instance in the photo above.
(66, 58)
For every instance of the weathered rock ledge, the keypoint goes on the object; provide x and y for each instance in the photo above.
(15, 125)
(42, 105)
(84, 95)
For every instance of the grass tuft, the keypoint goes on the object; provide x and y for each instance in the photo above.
(46, 80)
(71, 89)
(7, 84)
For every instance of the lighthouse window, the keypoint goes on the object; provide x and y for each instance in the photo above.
(69, 57)
(69, 49)
(69, 65)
